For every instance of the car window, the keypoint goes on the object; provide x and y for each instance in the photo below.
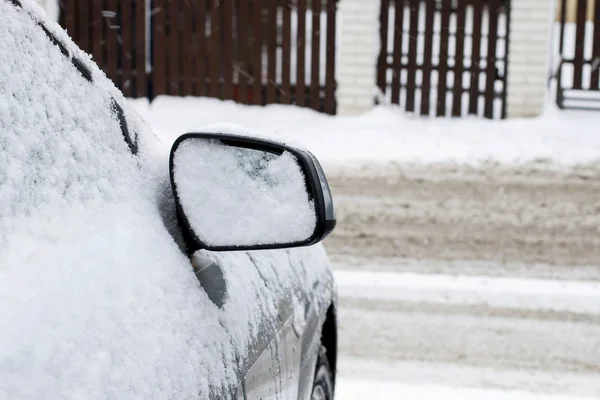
(60, 125)
(130, 136)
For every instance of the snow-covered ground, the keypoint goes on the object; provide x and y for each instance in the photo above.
(373, 389)
(385, 135)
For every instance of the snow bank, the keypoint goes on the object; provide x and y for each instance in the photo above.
(387, 135)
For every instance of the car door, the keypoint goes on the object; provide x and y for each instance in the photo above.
(298, 282)
(267, 292)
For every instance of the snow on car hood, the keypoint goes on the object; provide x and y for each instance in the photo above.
(96, 298)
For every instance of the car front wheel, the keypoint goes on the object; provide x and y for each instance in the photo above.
(323, 383)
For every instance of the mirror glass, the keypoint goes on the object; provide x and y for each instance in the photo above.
(236, 196)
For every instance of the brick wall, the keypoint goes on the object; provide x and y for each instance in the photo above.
(359, 46)
(528, 57)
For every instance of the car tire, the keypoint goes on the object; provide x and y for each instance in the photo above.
(323, 382)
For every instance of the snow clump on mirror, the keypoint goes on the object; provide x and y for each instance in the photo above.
(238, 196)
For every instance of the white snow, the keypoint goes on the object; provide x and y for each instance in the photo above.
(350, 389)
(507, 293)
(387, 135)
(260, 197)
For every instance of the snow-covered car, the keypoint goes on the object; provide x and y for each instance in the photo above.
(133, 269)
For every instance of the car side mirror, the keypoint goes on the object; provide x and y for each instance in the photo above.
(235, 192)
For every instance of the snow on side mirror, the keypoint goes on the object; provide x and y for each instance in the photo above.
(243, 193)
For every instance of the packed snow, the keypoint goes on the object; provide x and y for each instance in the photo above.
(96, 296)
(387, 135)
(350, 389)
(262, 200)
(506, 293)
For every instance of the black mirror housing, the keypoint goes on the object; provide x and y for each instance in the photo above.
(202, 235)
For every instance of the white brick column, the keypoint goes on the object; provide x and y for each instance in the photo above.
(528, 57)
(359, 46)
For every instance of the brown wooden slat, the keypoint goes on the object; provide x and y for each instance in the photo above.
(301, 57)
(141, 86)
(201, 48)
(330, 58)
(475, 57)
(398, 35)
(382, 64)
(71, 19)
(110, 21)
(490, 73)
(579, 44)
(159, 72)
(185, 46)
(84, 25)
(315, 79)
(443, 61)
(215, 47)
(271, 50)
(96, 35)
(243, 52)
(62, 13)
(412, 55)
(227, 47)
(257, 37)
(595, 81)
(286, 45)
(127, 51)
(459, 58)
(174, 51)
(427, 56)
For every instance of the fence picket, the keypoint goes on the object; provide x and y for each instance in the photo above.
(475, 57)
(459, 58)
(490, 71)
(214, 57)
(139, 61)
(127, 50)
(301, 54)
(257, 7)
(315, 79)
(286, 96)
(243, 54)
(398, 36)
(443, 59)
(110, 13)
(271, 50)
(330, 59)
(579, 44)
(427, 56)
(383, 48)
(411, 69)
(186, 51)
(202, 48)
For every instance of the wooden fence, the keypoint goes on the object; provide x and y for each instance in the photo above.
(445, 57)
(578, 74)
(252, 51)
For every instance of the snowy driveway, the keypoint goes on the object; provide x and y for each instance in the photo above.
(459, 282)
